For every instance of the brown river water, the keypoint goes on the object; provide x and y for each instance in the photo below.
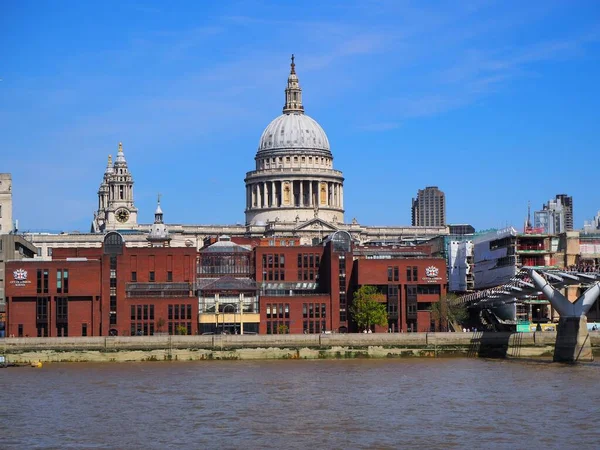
(327, 404)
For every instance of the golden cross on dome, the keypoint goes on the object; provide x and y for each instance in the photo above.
(293, 64)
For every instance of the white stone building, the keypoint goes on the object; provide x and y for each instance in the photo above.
(294, 192)
(6, 220)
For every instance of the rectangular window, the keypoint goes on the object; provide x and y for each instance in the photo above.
(415, 273)
(113, 263)
(134, 276)
(311, 313)
(189, 312)
(396, 274)
(409, 273)
(132, 312)
(304, 311)
(139, 312)
(39, 281)
(59, 281)
(389, 272)
(342, 299)
(49, 251)
(287, 310)
(39, 251)
(45, 273)
(84, 329)
(268, 310)
(42, 309)
(151, 277)
(176, 312)
(169, 276)
(317, 310)
(62, 309)
(145, 312)
(151, 312)
(323, 314)
(20, 330)
(66, 281)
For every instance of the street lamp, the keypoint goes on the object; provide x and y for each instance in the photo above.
(217, 316)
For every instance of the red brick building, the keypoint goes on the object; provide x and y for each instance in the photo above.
(226, 287)
(114, 290)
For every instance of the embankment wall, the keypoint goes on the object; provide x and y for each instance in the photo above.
(311, 346)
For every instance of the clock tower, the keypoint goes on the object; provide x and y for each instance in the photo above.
(116, 210)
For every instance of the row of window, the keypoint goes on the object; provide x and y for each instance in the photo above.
(142, 312)
(180, 312)
(278, 327)
(152, 276)
(278, 310)
(314, 326)
(314, 310)
(393, 273)
(308, 260)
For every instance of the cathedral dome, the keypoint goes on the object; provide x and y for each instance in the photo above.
(293, 131)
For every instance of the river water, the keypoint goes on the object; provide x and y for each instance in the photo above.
(337, 404)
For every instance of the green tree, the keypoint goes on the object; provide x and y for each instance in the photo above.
(181, 329)
(366, 310)
(446, 310)
(282, 329)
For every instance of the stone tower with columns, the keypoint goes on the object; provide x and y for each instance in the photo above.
(294, 179)
(116, 210)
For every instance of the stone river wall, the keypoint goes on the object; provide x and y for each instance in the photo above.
(311, 346)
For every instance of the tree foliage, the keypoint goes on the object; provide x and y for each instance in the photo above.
(446, 310)
(366, 310)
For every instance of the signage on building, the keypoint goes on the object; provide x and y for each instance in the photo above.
(432, 274)
(20, 278)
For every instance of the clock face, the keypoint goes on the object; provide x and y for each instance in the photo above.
(122, 215)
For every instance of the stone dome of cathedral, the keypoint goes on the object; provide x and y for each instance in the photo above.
(293, 131)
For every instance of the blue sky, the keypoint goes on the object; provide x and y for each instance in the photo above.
(495, 102)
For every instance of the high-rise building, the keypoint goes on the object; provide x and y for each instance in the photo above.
(429, 208)
(6, 224)
(567, 203)
(556, 216)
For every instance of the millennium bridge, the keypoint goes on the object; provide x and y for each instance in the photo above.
(572, 340)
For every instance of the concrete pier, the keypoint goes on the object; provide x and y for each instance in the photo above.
(573, 342)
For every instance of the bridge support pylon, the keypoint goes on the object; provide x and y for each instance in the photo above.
(573, 341)
(572, 338)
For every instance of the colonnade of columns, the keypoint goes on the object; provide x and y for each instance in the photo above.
(298, 193)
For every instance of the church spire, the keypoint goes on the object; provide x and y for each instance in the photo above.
(120, 156)
(293, 92)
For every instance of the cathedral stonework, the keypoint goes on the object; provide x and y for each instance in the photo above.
(116, 210)
(293, 195)
(294, 179)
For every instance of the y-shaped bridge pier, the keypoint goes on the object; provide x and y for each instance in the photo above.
(572, 339)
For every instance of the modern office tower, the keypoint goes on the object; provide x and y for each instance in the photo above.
(556, 216)
(567, 203)
(429, 208)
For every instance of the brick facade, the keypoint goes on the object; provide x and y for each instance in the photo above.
(132, 291)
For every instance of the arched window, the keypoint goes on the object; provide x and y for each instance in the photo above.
(113, 243)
